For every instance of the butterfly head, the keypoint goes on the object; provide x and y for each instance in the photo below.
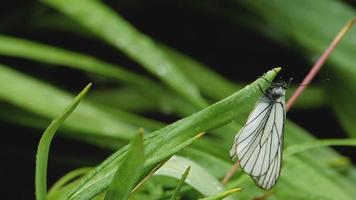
(277, 89)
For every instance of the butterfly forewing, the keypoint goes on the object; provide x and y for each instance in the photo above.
(258, 145)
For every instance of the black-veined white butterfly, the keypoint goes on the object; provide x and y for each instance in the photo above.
(258, 145)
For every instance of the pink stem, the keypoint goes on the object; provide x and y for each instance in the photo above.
(230, 173)
(317, 66)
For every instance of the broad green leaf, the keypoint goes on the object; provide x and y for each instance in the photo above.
(112, 28)
(46, 101)
(169, 140)
(44, 145)
(180, 183)
(128, 171)
(215, 165)
(198, 178)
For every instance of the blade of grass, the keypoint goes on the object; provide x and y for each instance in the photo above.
(136, 99)
(223, 195)
(318, 143)
(215, 165)
(172, 138)
(148, 176)
(17, 47)
(128, 171)
(315, 180)
(318, 158)
(46, 101)
(64, 180)
(179, 185)
(198, 178)
(44, 145)
(111, 27)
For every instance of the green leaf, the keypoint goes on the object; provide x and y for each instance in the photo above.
(163, 99)
(65, 180)
(223, 195)
(318, 159)
(16, 47)
(46, 101)
(198, 178)
(180, 183)
(128, 171)
(44, 145)
(319, 182)
(112, 28)
(318, 143)
(169, 140)
(217, 165)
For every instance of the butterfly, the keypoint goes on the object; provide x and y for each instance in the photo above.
(259, 144)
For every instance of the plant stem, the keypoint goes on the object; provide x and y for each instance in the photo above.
(319, 63)
(230, 173)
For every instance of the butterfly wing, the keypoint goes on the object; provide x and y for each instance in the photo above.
(269, 179)
(258, 144)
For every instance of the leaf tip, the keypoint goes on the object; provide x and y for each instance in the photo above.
(277, 69)
(141, 131)
(188, 168)
(352, 21)
(199, 135)
(87, 87)
(235, 190)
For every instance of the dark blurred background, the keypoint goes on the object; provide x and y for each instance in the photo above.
(215, 40)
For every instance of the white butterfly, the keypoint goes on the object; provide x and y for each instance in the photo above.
(258, 145)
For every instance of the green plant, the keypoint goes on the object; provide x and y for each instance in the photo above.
(210, 116)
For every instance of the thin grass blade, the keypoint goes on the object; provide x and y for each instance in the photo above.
(128, 171)
(179, 185)
(44, 145)
(223, 195)
(294, 149)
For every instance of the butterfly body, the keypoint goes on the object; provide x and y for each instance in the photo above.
(258, 145)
